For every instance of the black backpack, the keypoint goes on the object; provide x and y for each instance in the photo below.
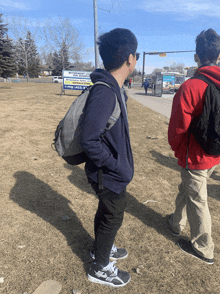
(206, 128)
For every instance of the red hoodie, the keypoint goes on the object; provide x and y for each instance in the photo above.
(188, 103)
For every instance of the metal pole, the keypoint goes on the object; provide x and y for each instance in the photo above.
(96, 34)
(143, 67)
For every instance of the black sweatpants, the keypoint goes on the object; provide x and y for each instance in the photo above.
(108, 220)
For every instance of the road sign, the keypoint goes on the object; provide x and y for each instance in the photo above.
(76, 80)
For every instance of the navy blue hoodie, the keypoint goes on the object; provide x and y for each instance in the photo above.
(112, 154)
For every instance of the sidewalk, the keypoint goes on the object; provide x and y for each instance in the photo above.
(161, 105)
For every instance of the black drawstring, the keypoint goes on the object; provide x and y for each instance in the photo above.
(100, 178)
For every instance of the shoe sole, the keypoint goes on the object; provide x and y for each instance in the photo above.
(112, 258)
(119, 258)
(210, 263)
(97, 281)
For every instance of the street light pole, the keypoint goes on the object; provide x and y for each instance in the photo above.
(143, 67)
(96, 34)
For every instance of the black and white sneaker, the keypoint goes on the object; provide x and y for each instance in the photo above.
(115, 254)
(186, 246)
(109, 275)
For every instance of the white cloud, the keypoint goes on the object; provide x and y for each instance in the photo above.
(189, 7)
(12, 5)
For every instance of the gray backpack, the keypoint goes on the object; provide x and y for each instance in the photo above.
(67, 139)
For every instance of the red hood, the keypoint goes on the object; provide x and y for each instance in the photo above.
(211, 72)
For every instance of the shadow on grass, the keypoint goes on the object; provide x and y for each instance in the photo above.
(37, 197)
(71, 95)
(171, 162)
(140, 211)
(167, 161)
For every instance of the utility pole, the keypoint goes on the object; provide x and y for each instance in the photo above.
(143, 68)
(161, 54)
(96, 34)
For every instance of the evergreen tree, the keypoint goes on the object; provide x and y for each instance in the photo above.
(8, 66)
(49, 62)
(57, 65)
(64, 56)
(27, 56)
(3, 28)
(32, 55)
(60, 61)
(3, 31)
(21, 57)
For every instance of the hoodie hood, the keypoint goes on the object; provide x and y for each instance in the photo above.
(102, 75)
(211, 72)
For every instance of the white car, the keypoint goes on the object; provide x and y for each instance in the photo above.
(57, 79)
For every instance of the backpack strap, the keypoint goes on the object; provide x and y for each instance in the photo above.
(208, 81)
(111, 121)
(204, 79)
(115, 114)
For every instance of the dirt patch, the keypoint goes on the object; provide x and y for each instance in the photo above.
(38, 189)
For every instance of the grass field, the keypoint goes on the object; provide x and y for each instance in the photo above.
(38, 189)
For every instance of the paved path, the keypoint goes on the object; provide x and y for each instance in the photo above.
(161, 105)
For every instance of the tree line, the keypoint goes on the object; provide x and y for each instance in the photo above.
(61, 49)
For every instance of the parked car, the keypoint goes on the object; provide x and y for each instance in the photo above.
(57, 79)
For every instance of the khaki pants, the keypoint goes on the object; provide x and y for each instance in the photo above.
(191, 204)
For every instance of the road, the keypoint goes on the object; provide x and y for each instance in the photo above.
(161, 105)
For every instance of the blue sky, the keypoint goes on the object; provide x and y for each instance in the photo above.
(167, 25)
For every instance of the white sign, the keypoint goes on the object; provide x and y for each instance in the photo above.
(76, 80)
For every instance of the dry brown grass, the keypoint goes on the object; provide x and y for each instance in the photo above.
(38, 189)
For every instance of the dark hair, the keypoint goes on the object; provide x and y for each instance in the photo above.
(116, 46)
(208, 46)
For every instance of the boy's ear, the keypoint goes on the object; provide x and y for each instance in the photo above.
(196, 58)
(130, 59)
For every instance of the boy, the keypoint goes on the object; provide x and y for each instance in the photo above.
(109, 167)
(145, 85)
(196, 165)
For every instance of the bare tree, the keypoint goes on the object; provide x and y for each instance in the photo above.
(46, 60)
(20, 28)
(84, 66)
(177, 67)
(27, 56)
(156, 70)
(63, 33)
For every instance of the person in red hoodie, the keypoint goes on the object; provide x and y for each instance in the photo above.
(196, 165)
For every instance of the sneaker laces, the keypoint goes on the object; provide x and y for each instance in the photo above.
(114, 249)
(112, 268)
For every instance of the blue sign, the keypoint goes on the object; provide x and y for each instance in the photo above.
(76, 80)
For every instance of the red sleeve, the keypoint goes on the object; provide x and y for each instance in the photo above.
(187, 103)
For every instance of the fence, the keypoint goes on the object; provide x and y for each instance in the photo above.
(24, 80)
